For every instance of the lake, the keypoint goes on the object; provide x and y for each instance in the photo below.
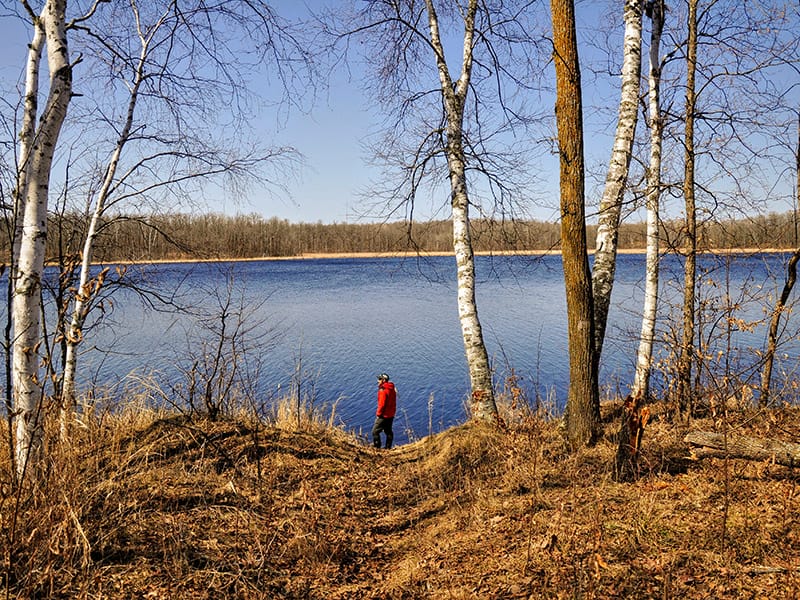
(339, 322)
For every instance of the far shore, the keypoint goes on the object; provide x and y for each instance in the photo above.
(410, 254)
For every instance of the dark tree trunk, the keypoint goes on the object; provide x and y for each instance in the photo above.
(684, 391)
(583, 406)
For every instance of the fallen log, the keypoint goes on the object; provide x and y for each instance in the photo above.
(739, 446)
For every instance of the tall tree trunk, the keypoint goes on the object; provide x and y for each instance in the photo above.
(684, 386)
(605, 258)
(644, 355)
(454, 94)
(26, 136)
(36, 156)
(583, 405)
(482, 403)
(791, 278)
(87, 288)
(635, 417)
(772, 336)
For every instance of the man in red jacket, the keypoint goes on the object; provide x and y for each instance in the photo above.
(384, 416)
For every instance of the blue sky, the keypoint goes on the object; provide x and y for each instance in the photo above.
(337, 169)
(330, 183)
(324, 187)
(334, 170)
(335, 174)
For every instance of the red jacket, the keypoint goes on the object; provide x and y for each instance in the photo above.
(387, 400)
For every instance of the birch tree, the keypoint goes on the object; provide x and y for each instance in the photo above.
(161, 145)
(584, 397)
(454, 95)
(38, 139)
(644, 354)
(438, 128)
(605, 258)
(634, 419)
(193, 64)
(85, 290)
(583, 406)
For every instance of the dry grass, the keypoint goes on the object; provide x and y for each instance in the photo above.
(146, 505)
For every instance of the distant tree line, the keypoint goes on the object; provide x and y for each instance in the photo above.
(217, 236)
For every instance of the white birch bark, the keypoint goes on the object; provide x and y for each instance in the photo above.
(605, 257)
(644, 356)
(87, 288)
(36, 156)
(27, 132)
(482, 404)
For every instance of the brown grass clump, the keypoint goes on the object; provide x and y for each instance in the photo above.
(146, 505)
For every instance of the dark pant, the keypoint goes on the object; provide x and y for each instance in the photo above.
(383, 424)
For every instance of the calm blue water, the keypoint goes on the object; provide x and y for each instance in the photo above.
(341, 321)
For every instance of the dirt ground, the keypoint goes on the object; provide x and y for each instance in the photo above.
(170, 507)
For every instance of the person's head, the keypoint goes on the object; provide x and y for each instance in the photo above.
(383, 377)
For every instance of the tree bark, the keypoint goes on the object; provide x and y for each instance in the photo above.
(634, 416)
(783, 453)
(605, 258)
(634, 420)
(583, 405)
(27, 135)
(36, 156)
(644, 356)
(454, 93)
(772, 336)
(684, 392)
(791, 278)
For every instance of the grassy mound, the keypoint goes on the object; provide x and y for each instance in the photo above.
(146, 505)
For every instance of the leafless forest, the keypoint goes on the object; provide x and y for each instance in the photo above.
(204, 236)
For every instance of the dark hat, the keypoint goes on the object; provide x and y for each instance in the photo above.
(383, 377)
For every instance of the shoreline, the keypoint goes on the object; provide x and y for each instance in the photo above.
(409, 254)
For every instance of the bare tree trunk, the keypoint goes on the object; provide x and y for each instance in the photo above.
(791, 278)
(23, 397)
(644, 355)
(482, 406)
(583, 405)
(684, 391)
(772, 336)
(634, 416)
(88, 289)
(605, 258)
(36, 156)
(454, 93)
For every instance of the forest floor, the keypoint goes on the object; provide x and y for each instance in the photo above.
(145, 505)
